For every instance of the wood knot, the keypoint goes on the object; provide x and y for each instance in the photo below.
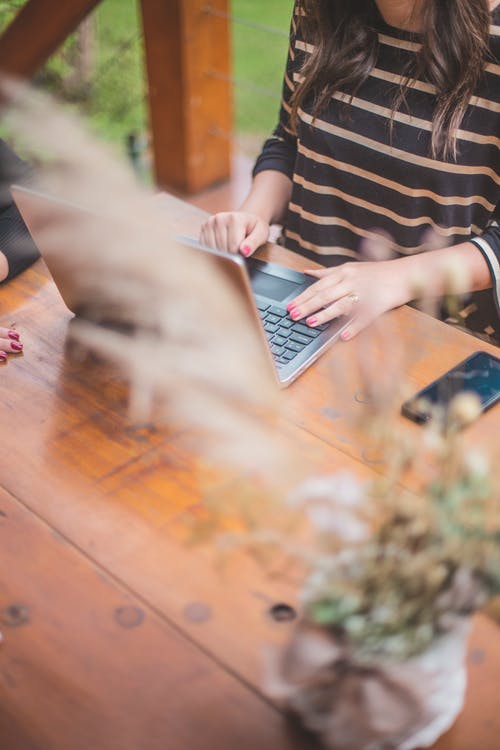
(129, 617)
(330, 412)
(282, 612)
(141, 432)
(15, 615)
(197, 612)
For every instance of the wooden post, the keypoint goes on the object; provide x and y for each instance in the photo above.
(39, 28)
(187, 45)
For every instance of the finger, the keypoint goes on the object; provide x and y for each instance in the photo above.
(236, 234)
(9, 333)
(318, 296)
(254, 239)
(305, 299)
(3, 357)
(355, 326)
(10, 345)
(207, 235)
(220, 232)
(322, 290)
(317, 272)
(343, 306)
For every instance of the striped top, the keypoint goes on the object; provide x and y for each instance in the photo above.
(351, 178)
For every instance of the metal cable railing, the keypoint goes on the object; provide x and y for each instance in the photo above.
(244, 21)
(259, 52)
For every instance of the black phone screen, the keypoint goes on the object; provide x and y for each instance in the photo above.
(479, 373)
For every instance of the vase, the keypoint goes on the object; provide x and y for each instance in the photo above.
(353, 704)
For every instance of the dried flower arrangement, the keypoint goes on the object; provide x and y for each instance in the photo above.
(388, 580)
(413, 563)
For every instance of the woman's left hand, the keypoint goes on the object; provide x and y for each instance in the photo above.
(364, 290)
(10, 343)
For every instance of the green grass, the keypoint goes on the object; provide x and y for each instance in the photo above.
(259, 60)
(118, 101)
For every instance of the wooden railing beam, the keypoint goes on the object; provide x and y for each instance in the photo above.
(39, 28)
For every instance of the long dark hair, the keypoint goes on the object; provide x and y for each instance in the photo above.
(452, 57)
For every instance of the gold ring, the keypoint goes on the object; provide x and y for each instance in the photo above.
(353, 298)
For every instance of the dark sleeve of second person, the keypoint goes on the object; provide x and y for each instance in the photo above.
(15, 240)
(489, 244)
(280, 150)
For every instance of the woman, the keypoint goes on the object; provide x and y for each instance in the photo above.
(390, 121)
(17, 249)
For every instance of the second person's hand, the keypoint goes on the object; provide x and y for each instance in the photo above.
(234, 232)
(10, 343)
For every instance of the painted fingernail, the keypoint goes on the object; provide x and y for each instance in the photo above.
(345, 336)
(13, 335)
(16, 346)
(3, 357)
(312, 321)
(245, 250)
(295, 313)
(291, 306)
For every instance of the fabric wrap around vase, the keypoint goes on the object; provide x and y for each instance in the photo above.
(357, 705)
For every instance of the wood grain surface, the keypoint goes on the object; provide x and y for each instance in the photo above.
(116, 634)
(36, 32)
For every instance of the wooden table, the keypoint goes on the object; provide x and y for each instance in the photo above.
(116, 636)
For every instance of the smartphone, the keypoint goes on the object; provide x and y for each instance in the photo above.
(479, 373)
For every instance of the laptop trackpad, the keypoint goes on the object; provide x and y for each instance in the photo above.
(276, 282)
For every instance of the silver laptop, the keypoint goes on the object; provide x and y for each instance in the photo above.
(266, 287)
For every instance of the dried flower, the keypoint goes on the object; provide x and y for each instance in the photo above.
(464, 409)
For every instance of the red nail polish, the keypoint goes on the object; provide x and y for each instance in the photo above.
(291, 306)
(311, 321)
(345, 336)
(13, 335)
(16, 346)
(295, 314)
(245, 250)
(3, 357)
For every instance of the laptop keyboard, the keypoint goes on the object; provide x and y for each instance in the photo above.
(286, 338)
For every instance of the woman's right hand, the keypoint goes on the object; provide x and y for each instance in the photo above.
(235, 232)
(10, 343)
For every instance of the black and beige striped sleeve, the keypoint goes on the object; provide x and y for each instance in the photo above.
(280, 150)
